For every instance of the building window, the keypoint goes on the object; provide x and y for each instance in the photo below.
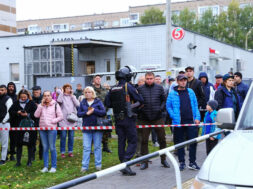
(134, 17)
(14, 69)
(72, 27)
(22, 31)
(225, 8)
(90, 67)
(175, 12)
(117, 64)
(215, 10)
(87, 25)
(115, 23)
(99, 24)
(124, 22)
(48, 28)
(32, 29)
(243, 5)
(60, 27)
(108, 69)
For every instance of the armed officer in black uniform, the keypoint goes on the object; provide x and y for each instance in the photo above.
(123, 98)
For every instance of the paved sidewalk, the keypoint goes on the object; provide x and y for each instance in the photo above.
(153, 177)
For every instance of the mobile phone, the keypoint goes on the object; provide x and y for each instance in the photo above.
(23, 111)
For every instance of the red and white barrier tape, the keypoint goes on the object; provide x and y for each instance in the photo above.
(95, 127)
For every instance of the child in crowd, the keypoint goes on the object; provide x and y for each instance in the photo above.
(210, 117)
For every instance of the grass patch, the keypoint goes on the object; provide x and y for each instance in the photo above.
(67, 169)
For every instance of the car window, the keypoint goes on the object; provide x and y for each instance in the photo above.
(246, 123)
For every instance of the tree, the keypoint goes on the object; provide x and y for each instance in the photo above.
(153, 16)
(186, 19)
(207, 24)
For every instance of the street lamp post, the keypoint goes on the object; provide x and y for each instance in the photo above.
(246, 40)
(168, 35)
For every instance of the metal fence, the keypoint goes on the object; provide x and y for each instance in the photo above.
(166, 151)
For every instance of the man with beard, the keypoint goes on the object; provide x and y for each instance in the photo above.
(11, 92)
(37, 98)
(5, 104)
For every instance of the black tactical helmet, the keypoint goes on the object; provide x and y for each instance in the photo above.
(124, 73)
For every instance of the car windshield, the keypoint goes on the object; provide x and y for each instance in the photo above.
(246, 123)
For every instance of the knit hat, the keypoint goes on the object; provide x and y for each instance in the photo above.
(213, 104)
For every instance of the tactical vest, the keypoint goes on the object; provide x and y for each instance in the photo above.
(118, 99)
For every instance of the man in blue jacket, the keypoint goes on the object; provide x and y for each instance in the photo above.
(182, 105)
(240, 87)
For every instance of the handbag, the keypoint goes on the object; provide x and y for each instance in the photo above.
(102, 121)
(26, 122)
(72, 117)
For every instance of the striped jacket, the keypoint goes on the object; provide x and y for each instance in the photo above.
(173, 106)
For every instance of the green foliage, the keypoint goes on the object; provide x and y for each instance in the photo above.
(153, 16)
(67, 168)
(230, 27)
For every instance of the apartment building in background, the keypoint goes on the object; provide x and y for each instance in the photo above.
(120, 19)
(8, 24)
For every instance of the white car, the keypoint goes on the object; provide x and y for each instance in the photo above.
(230, 164)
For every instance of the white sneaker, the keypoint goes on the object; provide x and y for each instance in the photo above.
(156, 144)
(44, 170)
(83, 170)
(52, 170)
(98, 168)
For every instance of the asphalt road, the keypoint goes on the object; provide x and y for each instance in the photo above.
(153, 177)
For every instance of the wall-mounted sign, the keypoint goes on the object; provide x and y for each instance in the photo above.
(178, 33)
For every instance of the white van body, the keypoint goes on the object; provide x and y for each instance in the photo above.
(230, 163)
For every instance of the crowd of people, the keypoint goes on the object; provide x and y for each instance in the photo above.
(184, 100)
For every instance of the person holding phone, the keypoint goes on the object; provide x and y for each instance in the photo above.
(24, 108)
(69, 104)
(91, 107)
(50, 114)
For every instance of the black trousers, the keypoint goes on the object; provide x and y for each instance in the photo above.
(13, 142)
(126, 131)
(20, 149)
(179, 136)
(210, 144)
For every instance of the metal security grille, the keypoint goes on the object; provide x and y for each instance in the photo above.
(37, 63)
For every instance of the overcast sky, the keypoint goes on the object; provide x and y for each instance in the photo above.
(37, 9)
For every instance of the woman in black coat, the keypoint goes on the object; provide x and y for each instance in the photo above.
(24, 107)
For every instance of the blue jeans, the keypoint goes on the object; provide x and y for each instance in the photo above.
(70, 141)
(48, 139)
(88, 136)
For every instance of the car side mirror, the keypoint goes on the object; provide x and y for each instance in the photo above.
(226, 118)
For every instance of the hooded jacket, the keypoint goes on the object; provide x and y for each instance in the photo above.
(206, 86)
(196, 86)
(12, 95)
